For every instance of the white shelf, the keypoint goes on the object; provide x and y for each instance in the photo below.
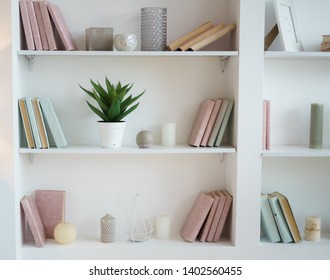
(296, 55)
(90, 149)
(296, 151)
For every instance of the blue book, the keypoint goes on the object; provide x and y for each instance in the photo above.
(267, 221)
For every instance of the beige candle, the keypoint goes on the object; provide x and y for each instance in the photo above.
(313, 229)
(163, 227)
(168, 134)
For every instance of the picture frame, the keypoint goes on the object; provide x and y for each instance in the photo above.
(287, 25)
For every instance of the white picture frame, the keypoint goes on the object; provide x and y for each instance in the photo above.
(287, 25)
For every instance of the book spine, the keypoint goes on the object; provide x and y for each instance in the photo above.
(41, 123)
(48, 26)
(26, 25)
(224, 123)
(33, 122)
(34, 25)
(26, 123)
(41, 25)
(223, 217)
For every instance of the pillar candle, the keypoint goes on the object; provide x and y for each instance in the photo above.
(316, 126)
(163, 227)
(313, 229)
(168, 134)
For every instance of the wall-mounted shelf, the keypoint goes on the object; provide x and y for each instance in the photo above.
(296, 151)
(296, 55)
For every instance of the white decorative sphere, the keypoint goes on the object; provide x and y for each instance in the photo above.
(65, 233)
(125, 42)
(144, 139)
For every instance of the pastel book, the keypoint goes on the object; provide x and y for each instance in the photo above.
(51, 208)
(224, 216)
(200, 123)
(267, 221)
(33, 219)
(33, 123)
(196, 217)
(26, 134)
(25, 19)
(34, 25)
(224, 124)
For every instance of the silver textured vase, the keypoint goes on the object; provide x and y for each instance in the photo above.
(108, 229)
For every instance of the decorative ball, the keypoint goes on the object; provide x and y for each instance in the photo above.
(144, 139)
(125, 42)
(65, 233)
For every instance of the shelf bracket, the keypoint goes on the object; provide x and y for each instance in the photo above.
(31, 158)
(223, 61)
(221, 157)
(30, 60)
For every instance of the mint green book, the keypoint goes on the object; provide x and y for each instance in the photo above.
(224, 123)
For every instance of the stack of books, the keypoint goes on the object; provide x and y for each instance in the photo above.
(210, 123)
(207, 217)
(200, 37)
(39, 125)
(278, 223)
(325, 44)
(44, 27)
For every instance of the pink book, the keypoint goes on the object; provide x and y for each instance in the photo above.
(51, 207)
(207, 225)
(48, 25)
(211, 122)
(61, 27)
(34, 220)
(217, 216)
(196, 216)
(40, 22)
(223, 217)
(200, 123)
(34, 25)
(26, 25)
(266, 125)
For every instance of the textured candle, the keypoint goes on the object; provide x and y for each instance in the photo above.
(316, 126)
(163, 227)
(313, 229)
(168, 134)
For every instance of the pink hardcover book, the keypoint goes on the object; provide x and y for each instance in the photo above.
(61, 27)
(41, 26)
(267, 124)
(217, 215)
(34, 25)
(223, 217)
(200, 123)
(207, 225)
(26, 25)
(51, 207)
(211, 122)
(196, 216)
(34, 220)
(48, 25)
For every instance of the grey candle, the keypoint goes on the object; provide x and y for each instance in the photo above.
(316, 126)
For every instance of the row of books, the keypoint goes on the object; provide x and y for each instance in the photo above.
(210, 123)
(207, 217)
(39, 125)
(44, 26)
(200, 37)
(266, 125)
(43, 211)
(278, 223)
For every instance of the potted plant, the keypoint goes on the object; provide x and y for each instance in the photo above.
(113, 106)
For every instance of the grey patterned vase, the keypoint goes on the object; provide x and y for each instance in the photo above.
(153, 29)
(108, 229)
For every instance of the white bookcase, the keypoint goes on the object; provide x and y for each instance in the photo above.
(99, 181)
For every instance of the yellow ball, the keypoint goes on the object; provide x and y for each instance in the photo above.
(65, 233)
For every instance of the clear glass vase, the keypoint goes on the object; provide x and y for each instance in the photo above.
(153, 29)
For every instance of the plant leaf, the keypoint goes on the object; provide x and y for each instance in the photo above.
(114, 109)
(98, 112)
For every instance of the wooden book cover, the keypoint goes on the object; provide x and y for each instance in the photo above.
(200, 123)
(51, 208)
(26, 123)
(267, 222)
(288, 215)
(53, 127)
(40, 123)
(26, 25)
(196, 216)
(224, 123)
(34, 25)
(217, 216)
(207, 225)
(211, 122)
(224, 216)
(182, 40)
(41, 26)
(33, 122)
(48, 25)
(33, 219)
(201, 37)
(212, 38)
(61, 27)
(218, 122)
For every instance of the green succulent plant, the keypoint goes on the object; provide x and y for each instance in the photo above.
(113, 102)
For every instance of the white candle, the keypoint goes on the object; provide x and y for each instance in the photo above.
(163, 227)
(168, 134)
(313, 229)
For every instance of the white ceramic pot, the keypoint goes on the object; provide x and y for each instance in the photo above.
(125, 42)
(111, 133)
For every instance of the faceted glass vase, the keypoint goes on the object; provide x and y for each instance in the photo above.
(153, 29)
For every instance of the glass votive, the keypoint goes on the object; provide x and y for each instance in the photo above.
(99, 39)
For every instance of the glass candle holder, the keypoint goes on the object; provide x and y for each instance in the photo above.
(153, 29)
